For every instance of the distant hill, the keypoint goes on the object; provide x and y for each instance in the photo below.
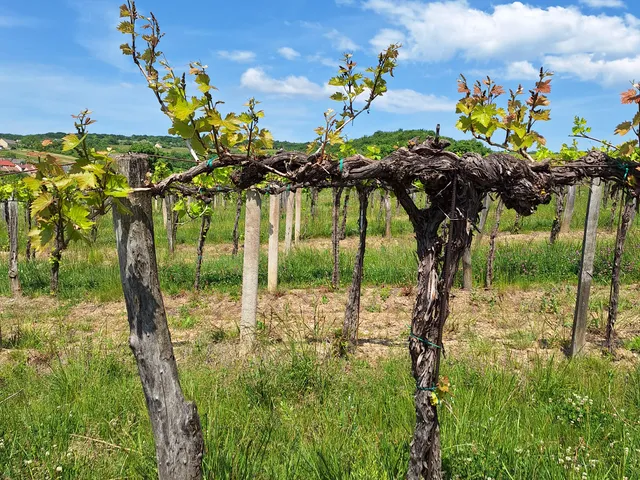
(386, 141)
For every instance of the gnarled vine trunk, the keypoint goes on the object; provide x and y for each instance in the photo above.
(623, 229)
(488, 282)
(204, 229)
(345, 209)
(557, 221)
(436, 273)
(236, 231)
(174, 421)
(352, 310)
(335, 237)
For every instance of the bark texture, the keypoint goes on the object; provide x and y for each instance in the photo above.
(352, 311)
(335, 237)
(586, 269)
(555, 228)
(345, 209)
(236, 230)
(202, 238)
(488, 282)
(174, 421)
(623, 228)
(565, 227)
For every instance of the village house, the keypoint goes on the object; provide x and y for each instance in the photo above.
(8, 144)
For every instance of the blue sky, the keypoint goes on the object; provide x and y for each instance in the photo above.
(57, 57)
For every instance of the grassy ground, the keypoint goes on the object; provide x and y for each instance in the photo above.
(302, 415)
(71, 405)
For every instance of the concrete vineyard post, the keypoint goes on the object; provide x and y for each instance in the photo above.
(298, 222)
(274, 228)
(250, 264)
(288, 228)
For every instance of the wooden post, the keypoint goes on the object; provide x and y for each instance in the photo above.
(288, 228)
(586, 268)
(565, 225)
(12, 231)
(251, 262)
(174, 421)
(486, 205)
(274, 228)
(298, 222)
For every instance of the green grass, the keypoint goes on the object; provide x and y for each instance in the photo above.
(305, 417)
(92, 274)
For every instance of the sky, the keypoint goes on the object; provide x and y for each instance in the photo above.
(58, 57)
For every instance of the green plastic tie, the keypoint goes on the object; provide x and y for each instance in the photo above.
(426, 389)
(426, 342)
(341, 165)
(210, 163)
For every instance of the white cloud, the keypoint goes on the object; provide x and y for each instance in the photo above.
(288, 53)
(240, 56)
(340, 41)
(386, 37)
(589, 67)
(257, 79)
(438, 31)
(603, 3)
(395, 101)
(326, 61)
(410, 101)
(521, 70)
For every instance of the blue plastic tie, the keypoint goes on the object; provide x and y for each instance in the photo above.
(341, 165)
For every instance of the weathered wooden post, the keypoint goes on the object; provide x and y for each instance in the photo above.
(298, 222)
(250, 265)
(288, 227)
(586, 268)
(12, 231)
(174, 421)
(565, 225)
(274, 228)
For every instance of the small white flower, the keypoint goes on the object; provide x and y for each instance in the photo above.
(58, 469)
